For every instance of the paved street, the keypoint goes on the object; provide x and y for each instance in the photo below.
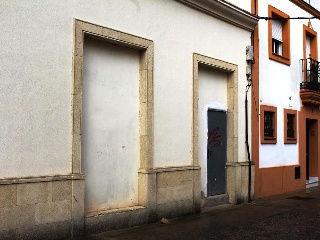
(291, 216)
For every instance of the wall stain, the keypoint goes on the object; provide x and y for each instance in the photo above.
(136, 3)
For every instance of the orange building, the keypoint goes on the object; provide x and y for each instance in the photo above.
(285, 96)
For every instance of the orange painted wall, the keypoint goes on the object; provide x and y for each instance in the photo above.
(255, 101)
(277, 180)
(309, 112)
(313, 150)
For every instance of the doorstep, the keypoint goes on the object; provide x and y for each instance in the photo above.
(312, 182)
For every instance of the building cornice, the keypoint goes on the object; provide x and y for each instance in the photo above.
(307, 7)
(224, 11)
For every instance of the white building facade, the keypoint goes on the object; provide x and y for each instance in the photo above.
(105, 112)
(286, 157)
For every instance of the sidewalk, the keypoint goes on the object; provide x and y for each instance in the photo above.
(291, 216)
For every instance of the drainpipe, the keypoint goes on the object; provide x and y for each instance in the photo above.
(249, 59)
(247, 144)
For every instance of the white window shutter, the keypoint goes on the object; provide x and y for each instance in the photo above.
(308, 46)
(277, 30)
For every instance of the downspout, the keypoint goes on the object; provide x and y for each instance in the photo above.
(247, 142)
(249, 59)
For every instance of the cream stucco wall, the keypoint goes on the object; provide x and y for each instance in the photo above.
(36, 60)
(279, 82)
(36, 75)
(110, 125)
(44, 112)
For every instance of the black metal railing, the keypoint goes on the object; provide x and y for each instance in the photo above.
(314, 86)
(311, 74)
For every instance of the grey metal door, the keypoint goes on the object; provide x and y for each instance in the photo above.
(216, 152)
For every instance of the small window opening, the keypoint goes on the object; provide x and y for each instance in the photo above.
(268, 124)
(290, 126)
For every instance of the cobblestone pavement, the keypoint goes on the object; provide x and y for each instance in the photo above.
(291, 216)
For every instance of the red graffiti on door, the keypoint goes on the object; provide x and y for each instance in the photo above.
(214, 137)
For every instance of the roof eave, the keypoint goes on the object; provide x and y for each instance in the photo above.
(225, 11)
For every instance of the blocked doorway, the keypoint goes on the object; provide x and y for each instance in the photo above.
(212, 126)
(106, 59)
(110, 125)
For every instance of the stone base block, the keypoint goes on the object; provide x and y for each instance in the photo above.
(175, 209)
(36, 208)
(213, 201)
(115, 220)
(238, 182)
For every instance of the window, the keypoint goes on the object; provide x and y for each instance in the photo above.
(310, 45)
(290, 126)
(279, 36)
(268, 124)
(310, 55)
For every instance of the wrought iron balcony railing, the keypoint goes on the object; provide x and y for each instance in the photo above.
(311, 75)
(314, 86)
(310, 86)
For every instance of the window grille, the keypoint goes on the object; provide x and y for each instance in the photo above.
(290, 125)
(268, 124)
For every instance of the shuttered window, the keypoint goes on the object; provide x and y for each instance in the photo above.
(279, 35)
(277, 30)
(310, 51)
(308, 46)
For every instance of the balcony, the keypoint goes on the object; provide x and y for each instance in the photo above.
(310, 86)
